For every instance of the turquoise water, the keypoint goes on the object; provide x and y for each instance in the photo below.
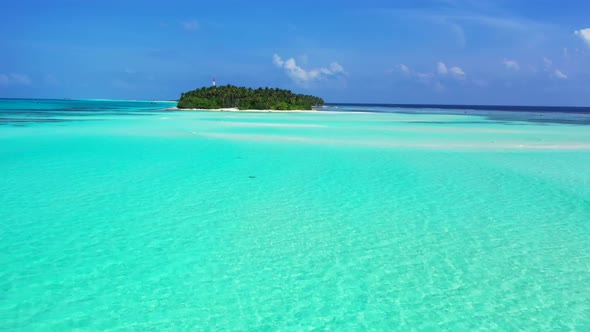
(122, 216)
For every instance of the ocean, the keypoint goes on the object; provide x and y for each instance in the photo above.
(122, 215)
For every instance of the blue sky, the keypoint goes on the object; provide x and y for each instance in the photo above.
(516, 52)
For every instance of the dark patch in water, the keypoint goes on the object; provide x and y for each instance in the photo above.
(252, 177)
(448, 122)
(12, 120)
(559, 121)
(469, 108)
(535, 115)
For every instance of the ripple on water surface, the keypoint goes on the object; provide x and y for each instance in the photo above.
(221, 221)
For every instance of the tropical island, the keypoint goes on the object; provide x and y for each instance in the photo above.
(242, 98)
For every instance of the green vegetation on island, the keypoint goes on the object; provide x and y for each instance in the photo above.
(230, 96)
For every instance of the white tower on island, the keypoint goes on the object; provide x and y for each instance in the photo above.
(214, 83)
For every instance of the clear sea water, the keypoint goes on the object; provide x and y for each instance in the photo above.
(120, 215)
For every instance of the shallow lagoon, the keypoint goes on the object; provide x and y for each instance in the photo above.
(119, 215)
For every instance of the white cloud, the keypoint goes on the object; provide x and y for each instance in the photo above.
(457, 72)
(336, 68)
(584, 34)
(403, 68)
(21, 79)
(303, 76)
(407, 71)
(511, 64)
(559, 74)
(277, 60)
(15, 79)
(436, 78)
(548, 63)
(442, 68)
(192, 25)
